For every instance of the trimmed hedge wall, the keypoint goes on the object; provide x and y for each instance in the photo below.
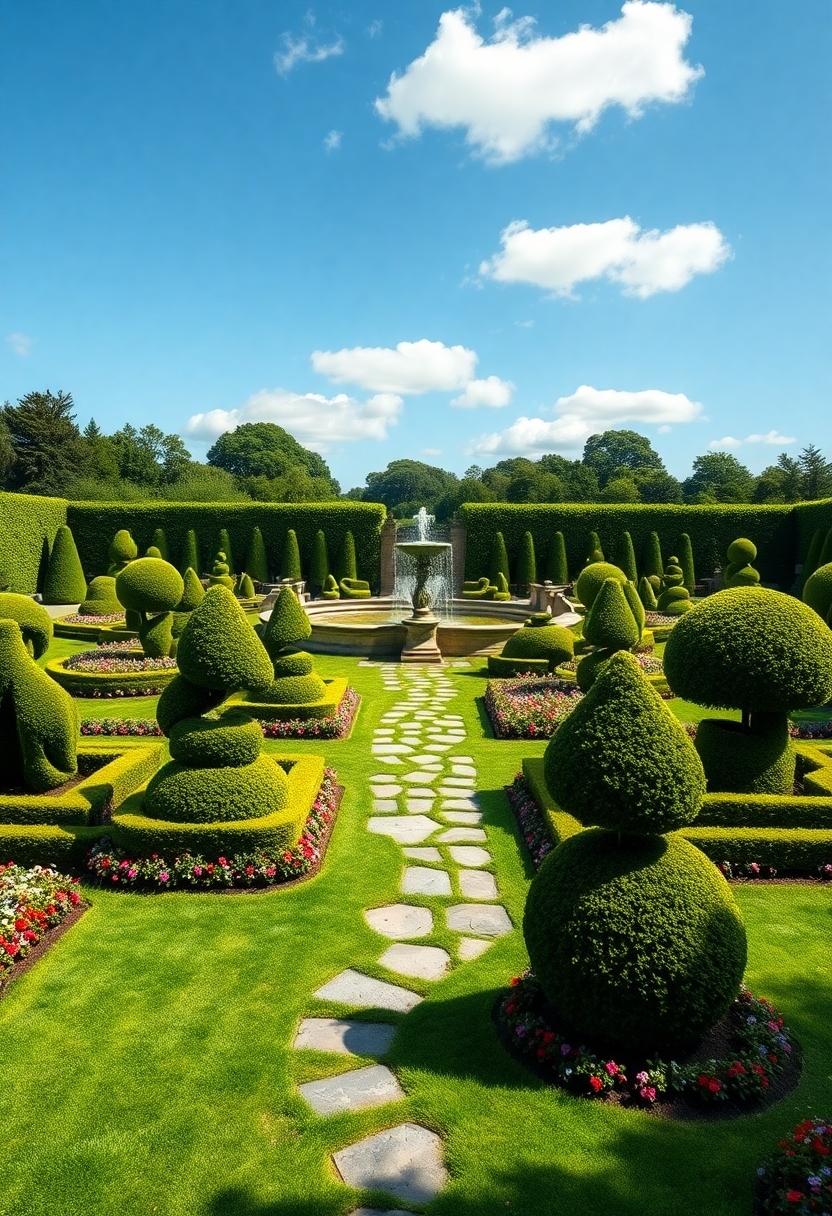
(65, 848)
(774, 530)
(124, 769)
(25, 522)
(93, 525)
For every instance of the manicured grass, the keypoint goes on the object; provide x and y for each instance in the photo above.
(147, 1063)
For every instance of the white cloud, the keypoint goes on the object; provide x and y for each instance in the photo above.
(506, 92)
(332, 141)
(314, 420)
(583, 412)
(774, 438)
(20, 343)
(492, 391)
(412, 367)
(304, 50)
(644, 262)
(430, 452)
(374, 28)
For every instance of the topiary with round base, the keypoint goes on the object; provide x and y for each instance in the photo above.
(183, 793)
(756, 761)
(295, 680)
(592, 578)
(540, 638)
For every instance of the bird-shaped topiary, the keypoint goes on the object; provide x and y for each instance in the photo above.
(739, 571)
(219, 576)
(217, 772)
(634, 935)
(295, 680)
(151, 588)
(675, 598)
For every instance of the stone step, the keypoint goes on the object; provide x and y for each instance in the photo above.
(406, 1161)
(458, 835)
(344, 1037)
(419, 880)
(471, 947)
(410, 829)
(477, 884)
(469, 856)
(352, 988)
(485, 920)
(419, 962)
(423, 854)
(360, 1089)
(400, 921)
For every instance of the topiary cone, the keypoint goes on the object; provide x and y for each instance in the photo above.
(557, 569)
(652, 564)
(646, 594)
(190, 553)
(526, 561)
(291, 557)
(592, 578)
(628, 557)
(160, 542)
(287, 624)
(499, 559)
(610, 624)
(319, 563)
(64, 582)
(219, 649)
(257, 564)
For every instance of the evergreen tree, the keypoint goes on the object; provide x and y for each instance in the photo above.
(290, 567)
(257, 563)
(526, 561)
(557, 569)
(685, 551)
(816, 473)
(47, 445)
(347, 566)
(160, 542)
(499, 559)
(627, 557)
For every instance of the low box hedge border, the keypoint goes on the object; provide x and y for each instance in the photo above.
(100, 684)
(62, 847)
(327, 707)
(140, 836)
(78, 632)
(85, 803)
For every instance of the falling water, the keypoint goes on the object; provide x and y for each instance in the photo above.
(441, 582)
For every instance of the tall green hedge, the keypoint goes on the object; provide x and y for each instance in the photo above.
(776, 530)
(94, 523)
(25, 522)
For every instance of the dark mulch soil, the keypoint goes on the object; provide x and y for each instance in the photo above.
(40, 948)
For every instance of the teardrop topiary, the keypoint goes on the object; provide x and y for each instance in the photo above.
(257, 563)
(739, 572)
(592, 578)
(192, 592)
(557, 568)
(290, 566)
(123, 549)
(610, 624)
(627, 557)
(190, 553)
(319, 563)
(499, 559)
(64, 582)
(817, 591)
(220, 650)
(34, 621)
(287, 624)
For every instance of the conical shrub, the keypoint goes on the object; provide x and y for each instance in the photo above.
(685, 550)
(635, 605)
(627, 557)
(347, 566)
(64, 582)
(160, 542)
(287, 624)
(609, 623)
(646, 594)
(319, 562)
(652, 564)
(498, 560)
(190, 553)
(219, 649)
(290, 566)
(245, 588)
(557, 567)
(257, 562)
(193, 592)
(526, 561)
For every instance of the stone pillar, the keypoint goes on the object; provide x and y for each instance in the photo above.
(387, 576)
(459, 538)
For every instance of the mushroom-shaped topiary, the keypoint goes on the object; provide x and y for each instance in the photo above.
(34, 621)
(64, 582)
(123, 549)
(817, 591)
(295, 680)
(634, 935)
(219, 576)
(592, 578)
(739, 571)
(38, 720)
(101, 598)
(151, 588)
(758, 651)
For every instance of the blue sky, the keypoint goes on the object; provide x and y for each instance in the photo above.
(554, 221)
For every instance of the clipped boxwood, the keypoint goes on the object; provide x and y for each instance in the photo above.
(758, 761)
(234, 740)
(240, 661)
(592, 578)
(64, 582)
(180, 793)
(540, 638)
(817, 591)
(34, 621)
(99, 683)
(502, 668)
(64, 847)
(123, 769)
(101, 598)
(28, 526)
(299, 663)
(270, 711)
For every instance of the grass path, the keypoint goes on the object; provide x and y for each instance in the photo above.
(146, 1061)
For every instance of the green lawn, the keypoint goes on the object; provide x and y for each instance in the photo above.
(146, 1062)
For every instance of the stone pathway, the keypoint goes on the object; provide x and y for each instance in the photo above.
(423, 796)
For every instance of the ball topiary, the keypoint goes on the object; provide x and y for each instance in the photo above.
(101, 598)
(677, 607)
(540, 638)
(673, 576)
(233, 740)
(739, 572)
(151, 588)
(183, 794)
(296, 690)
(219, 649)
(64, 582)
(225, 547)
(742, 552)
(123, 549)
(298, 663)
(610, 623)
(638, 943)
(34, 621)
(817, 590)
(592, 578)
(645, 779)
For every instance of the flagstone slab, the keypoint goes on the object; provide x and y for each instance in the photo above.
(352, 988)
(418, 791)
(450, 740)
(421, 777)
(452, 793)
(471, 947)
(468, 817)
(384, 779)
(344, 1037)
(461, 759)
(486, 920)
(386, 791)
(400, 921)
(406, 1161)
(419, 880)
(459, 804)
(462, 782)
(407, 829)
(458, 835)
(419, 962)
(425, 854)
(464, 770)
(419, 806)
(438, 747)
(392, 749)
(360, 1089)
(385, 806)
(469, 856)
(477, 884)
(427, 761)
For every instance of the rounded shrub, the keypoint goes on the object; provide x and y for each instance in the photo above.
(760, 760)
(219, 649)
(298, 664)
(673, 576)
(123, 549)
(183, 794)
(64, 582)
(677, 607)
(296, 690)
(590, 667)
(635, 605)
(152, 551)
(638, 944)
(149, 584)
(34, 621)
(181, 699)
(539, 638)
(817, 590)
(609, 622)
(621, 760)
(742, 552)
(101, 598)
(592, 578)
(287, 624)
(234, 740)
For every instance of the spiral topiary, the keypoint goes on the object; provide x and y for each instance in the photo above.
(295, 680)
(817, 591)
(34, 621)
(675, 597)
(219, 576)
(151, 588)
(64, 582)
(633, 935)
(592, 578)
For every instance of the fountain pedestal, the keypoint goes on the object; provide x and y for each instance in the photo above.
(420, 644)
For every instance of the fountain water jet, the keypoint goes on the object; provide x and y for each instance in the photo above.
(420, 644)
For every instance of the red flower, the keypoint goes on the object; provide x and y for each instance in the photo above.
(794, 1196)
(596, 1083)
(820, 1147)
(714, 1085)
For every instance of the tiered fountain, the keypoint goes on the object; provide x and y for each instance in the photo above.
(420, 644)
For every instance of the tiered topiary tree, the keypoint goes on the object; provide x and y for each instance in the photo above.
(160, 541)
(346, 566)
(540, 646)
(817, 592)
(225, 547)
(592, 578)
(633, 934)
(151, 588)
(675, 598)
(652, 566)
(295, 680)
(319, 563)
(192, 595)
(627, 557)
(257, 563)
(64, 582)
(739, 571)
(190, 553)
(609, 626)
(39, 721)
(526, 563)
(499, 559)
(761, 652)
(685, 550)
(594, 552)
(220, 576)
(557, 567)
(217, 772)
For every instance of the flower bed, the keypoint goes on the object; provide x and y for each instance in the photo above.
(190, 871)
(531, 707)
(530, 820)
(76, 618)
(124, 727)
(797, 1178)
(31, 901)
(761, 1043)
(116, 658)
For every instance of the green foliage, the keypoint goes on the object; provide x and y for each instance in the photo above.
(245, 588)
(755, 650)
(38, 720)
(319, 562)
(635, 605)
(257, 563)
(637, 943)
(651, 560)
(354, 588)
(503, 668)
(685, 550)
(34, 621)
(594, 551)
(234, 739)
(219, 649)
(481, 589)
(192, 591)
(347, 566)
(27, 525)
(64, 582)
(627, 557)
(406, 485)
(225, 547)
(592, 578)
(296, 663)
(123, 549)
(739, 572)
(287, 624)
(149, 584)
(45, 441)
(541, 640)
(742, 552)
(101, 598)
(160, 542)
(330, 588)
(817, 591)
(622, 760)
(526, 561)
(182, 699)
(502, 592)
(674, 594)
(646, 594)
(609, 623)
(825, 555)
(296, 690)
(756, 761)
(498, 559)
(183, 794)
(263, 449)
(190, 553)
(556, 570)
(789, 850)
(153, 552)
(590, 668)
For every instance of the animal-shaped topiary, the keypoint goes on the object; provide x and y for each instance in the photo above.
(633, 934)
(817, 591)
(192, 593)
(123, 550)
(739, 571)
(217, 773)
(592, 578)
(219, 576)
(761, 652)
(38, 719)
(502, 592)
(34, 621)
(609, 626)
(64, 582)
(151, 588)
(295, 680)
(675, 597)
